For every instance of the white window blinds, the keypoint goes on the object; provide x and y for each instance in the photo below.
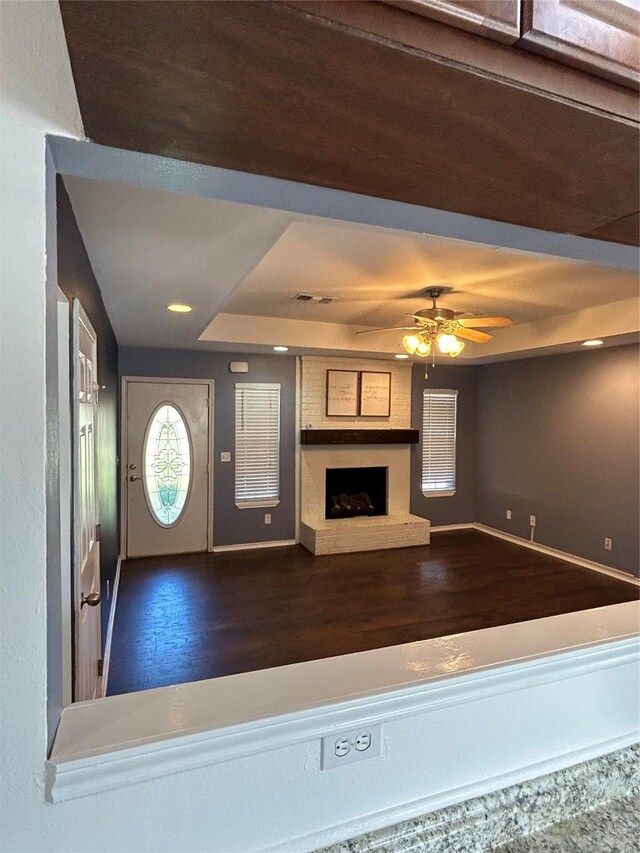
(439, 442)
(257, 444)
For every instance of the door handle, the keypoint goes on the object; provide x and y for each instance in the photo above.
(133, 478)
(92, 599)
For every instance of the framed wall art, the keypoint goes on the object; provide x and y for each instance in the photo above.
(342, 393)
(375, 394)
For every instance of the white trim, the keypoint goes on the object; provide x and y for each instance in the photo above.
(386, 818)
(162, 380)
(441, 528)
(443, 493)
(561, 555)
(297, 447)
(122, 740)
(251, 504)
(250, 546)
(122, 462)
(112, 617)
(63, 329)
(211, 468)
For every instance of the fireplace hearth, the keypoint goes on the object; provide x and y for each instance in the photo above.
(352, 492)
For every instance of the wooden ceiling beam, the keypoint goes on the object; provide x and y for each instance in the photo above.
(265, 88)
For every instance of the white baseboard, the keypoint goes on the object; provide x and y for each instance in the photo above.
(442, 528)
(561, 555)
(250, 546)
(112, 616)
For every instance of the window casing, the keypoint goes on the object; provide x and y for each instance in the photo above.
(439, 412)
(257, 453)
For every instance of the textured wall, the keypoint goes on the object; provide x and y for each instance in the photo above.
(314, 383)
(558, 438)
(77, 281)
(458, 508)
(233, 526)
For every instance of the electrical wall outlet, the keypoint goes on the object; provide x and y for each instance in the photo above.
(508, 515)
(347, 747)
(225, 456)
(532, 520)
(267, 518)
(608, 544)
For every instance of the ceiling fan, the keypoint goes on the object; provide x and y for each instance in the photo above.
(441, 327)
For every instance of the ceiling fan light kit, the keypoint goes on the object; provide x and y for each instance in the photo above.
(440, 326)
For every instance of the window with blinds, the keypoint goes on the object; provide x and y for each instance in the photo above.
(439, 442)
(257, 444)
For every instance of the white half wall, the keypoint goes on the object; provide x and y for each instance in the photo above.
(232, 765)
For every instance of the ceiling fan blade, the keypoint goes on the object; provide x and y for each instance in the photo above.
(473, 335)
(473, 322)
(388, 329)
(422, 319)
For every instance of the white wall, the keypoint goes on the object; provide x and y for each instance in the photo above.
(37, 97)
(246, 804)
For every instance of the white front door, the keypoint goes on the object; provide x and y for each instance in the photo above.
(86, 575)
(167, 467)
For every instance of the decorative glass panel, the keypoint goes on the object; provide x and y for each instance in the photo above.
(167, 464)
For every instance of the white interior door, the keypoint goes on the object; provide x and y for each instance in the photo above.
(86, 573)
(167, 467)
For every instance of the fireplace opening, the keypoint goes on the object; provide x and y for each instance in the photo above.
(352, 492)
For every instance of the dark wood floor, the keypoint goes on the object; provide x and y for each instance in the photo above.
(201, 616)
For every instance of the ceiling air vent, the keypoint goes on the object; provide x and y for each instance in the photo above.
(319, 300)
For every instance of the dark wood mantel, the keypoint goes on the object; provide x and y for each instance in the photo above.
(359, 436)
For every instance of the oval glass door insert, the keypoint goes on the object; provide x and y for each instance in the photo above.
(167, 464)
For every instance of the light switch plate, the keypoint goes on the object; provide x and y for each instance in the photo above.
(225, 456)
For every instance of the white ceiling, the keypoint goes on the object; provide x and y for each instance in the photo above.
(148, 247)
(239, 265)
(376, 277)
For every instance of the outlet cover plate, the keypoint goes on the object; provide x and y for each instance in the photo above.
(346, 747)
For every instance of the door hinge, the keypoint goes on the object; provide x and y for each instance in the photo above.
(98, 532)
(100, 667)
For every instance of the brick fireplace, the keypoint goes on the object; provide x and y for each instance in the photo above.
(323, 533)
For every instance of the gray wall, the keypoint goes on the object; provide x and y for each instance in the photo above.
(233, 526)
(459, 508)
(77, 281)
(558, 438)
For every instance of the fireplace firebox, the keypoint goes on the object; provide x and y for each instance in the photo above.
(352, 492)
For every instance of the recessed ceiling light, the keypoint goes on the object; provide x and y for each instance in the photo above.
(593, 342)
(179, 308)
(281, 349)
(401, 355)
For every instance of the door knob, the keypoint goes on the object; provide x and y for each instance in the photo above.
(92, 599)
(133, 478)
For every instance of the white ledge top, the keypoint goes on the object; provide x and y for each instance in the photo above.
(382, 682)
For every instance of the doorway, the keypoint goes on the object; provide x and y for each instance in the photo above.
(167, 471)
